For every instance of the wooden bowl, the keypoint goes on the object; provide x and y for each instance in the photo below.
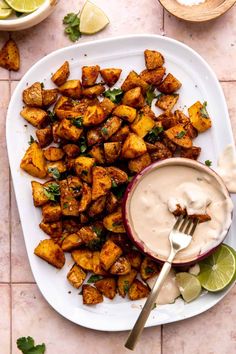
(206, 11)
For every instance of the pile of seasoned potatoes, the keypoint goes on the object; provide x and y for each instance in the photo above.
(101, 138)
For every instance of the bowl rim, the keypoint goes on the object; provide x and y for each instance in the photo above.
(179, 161)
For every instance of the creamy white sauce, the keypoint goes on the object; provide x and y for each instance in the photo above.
(227, 167)
(190, 2)
(156, 192)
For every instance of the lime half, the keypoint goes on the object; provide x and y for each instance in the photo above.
(218, 270)
(92, 19)
(25, 5)
(189, 286)
(5, 10)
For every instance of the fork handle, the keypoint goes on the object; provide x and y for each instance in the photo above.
(140, 323)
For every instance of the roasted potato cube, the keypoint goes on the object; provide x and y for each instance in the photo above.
(76, 276)
(133, 146)
(53, 153)
(83, 258)
(44, 136)
(65, 108)
(121, 240)
(101, 182)
(110, 127)
(169, 85)
(134, 98)
(135, 259)
(83, 167)
(86, 198)
(54, 167)
(162, 152)
(94, 115)
(51, 212)
(10, 56)
(167, 120)
(107, 287)
(121, 266)
(138, 290)
(53, 229)
(71, 242)
(148, 268)
(167, 102)
(97, 207)
(199, 116)
(71, 88)
(112, 151)
(153, 77)
(121, 134)
(139, 163)
(114, 222)
(191, 131)
(71, 225)
(142, 125)
(111, 202)
(51, 253)
(179, 136)
(124, 282)
(117, 175)
(107, 106)
(71, 150)
(61, 75)
(34, 162)
(97, 267)
(191, 153)
(39, 196)
(67, 130)
(148, 111)
(110, 76)
(88, 235)
(91, 296)
(71, 188)
(90, 75)
(93, 91)
(134, 80)
(97, 152)
(153, 59)
(94, 136)
(127, 113)
(110, 252)
(49, 97)
(181, 118)
(33, 95)
(35, 116)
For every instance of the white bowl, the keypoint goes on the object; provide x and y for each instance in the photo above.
(14, 23)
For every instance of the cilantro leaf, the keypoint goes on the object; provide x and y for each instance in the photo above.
(150, 95)
(126, 286)
(83, 145)
(203, 110)
(26, 345)
(72, 22)
(77, 122)
(31, 141)
(52, 116)
(208, 163)
(69, 18)
(153, 134)
(94, 278)
(52, 191)
(114, 95)
(18, 14)
(181, 134)
(55, 172)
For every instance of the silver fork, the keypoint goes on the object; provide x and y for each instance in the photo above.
(180, 237)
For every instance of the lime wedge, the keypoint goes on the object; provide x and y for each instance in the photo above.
(92, 19)
(25, 6)
(5, 10)
(218, 270)
(189, 286)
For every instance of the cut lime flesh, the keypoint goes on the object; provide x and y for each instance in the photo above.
(25, 6)
(92, 19)
(189, 286)
(5, 10)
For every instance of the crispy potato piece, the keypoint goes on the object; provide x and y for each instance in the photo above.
(112, 151)
(76, 276)
(34, 162)
(71, 150)
(167, 120)
(66, 108)
(181, 118)
(97, 268)
(10, 56)
(139, 163)
(110, 252)
(114, 222)
(71, 225)
(93, 91)
(97, 152)
(33, 95)
(49, 97)
(71, 242)
(121, 240)
(153, 77)
(199, 117)
(133, 146)
(138, 290)
(117, 175)
(101, 182)
(53, 229)
(201, 217)
(121, 266)
(191, 131)
(97, 207)
(148, 268)
(61, 75)
(88, 235)
(83, 168)
(44, 136)
(94, 115)
(51, 212)
(178, 135)
(135, 259)
(148, 111)
(71, 189)
(121, 134)
(49, 251)
(153, 59)
(167, 102)
(94, 136)
(191, 153)
(134, 98)
(67, 130)
(86, 198)
(127, 113)
(134, 80)
(124, 282)
(107, 106)
(91, 296)
(90, 75)
(107, 287)
(110, 127)
(57, 165)
(142, 125)
(39, 197)
(169, 85)
(110, 76)
(162, 152)
(111, 202)
(83, 258)
(71, 88)
(35, 116)
(53, 153)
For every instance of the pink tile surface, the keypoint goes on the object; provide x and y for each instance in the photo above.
(5, 335)
(230, 91)
(4, 74)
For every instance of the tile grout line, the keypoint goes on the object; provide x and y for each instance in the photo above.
(17, 282)
(162, 329)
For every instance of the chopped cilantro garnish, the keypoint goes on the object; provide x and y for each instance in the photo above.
(31, 141)
(27, 346)
(153, 134)
(203, 110)
(114, 95)
(208, 163)
(104, 131)
(52, 191)
(72, 22)
(150, 95)
(94, 278)
(52, 116)
(126, 286)
(77, 122)
(55, 172)
(181, 134)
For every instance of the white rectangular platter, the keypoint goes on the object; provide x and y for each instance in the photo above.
(198, 83)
